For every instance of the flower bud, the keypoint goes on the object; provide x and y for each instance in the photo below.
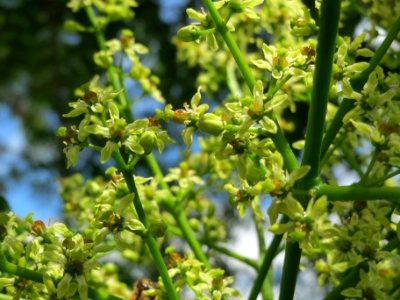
(188, 33)
(148, 141)
(38, 227)
(210, 123)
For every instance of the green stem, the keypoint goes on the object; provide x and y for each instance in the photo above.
(351, 160)
(277, 87)
(13, 269)
(248, 261)
(10, 268)
(357, 84)
(331, 150)
(259, 226)
(330, 12)
(364, 178)
(329, 22)
(349, 281)
(382, 179)
(290, 271)
(266, 263)
(150, 241)
(348, 193)
(279, 139)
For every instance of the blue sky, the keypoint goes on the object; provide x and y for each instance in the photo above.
(20, 192)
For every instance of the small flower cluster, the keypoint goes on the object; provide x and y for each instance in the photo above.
(102, 119)
(361, 239)
(205, 284)
(68, 261)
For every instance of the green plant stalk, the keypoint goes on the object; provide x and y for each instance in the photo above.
(364, 178)
(332, 149)
(357, 84)
(259, 226)
(328, 22)
(150, 241)
(290, 270)
(248, 261)
(178, 213)
(267, 291)
(266, 263)
(382, 179)
(351, 160)
(349, 193)
(279, 139)
(10, 268)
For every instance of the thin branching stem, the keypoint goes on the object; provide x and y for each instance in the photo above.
(266, 263)
(354, 193)
(228, 252)
(150, 241)
(357, 83)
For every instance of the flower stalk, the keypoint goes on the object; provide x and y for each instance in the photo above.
(150, 241)
(357, 83)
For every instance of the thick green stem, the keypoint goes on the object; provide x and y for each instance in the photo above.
(150, 241)
(357, 84)
(330, 12)
(290, 271)
(13, 269)
(266, 263)
(349, 193)
(329, 21)
(279, 139)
